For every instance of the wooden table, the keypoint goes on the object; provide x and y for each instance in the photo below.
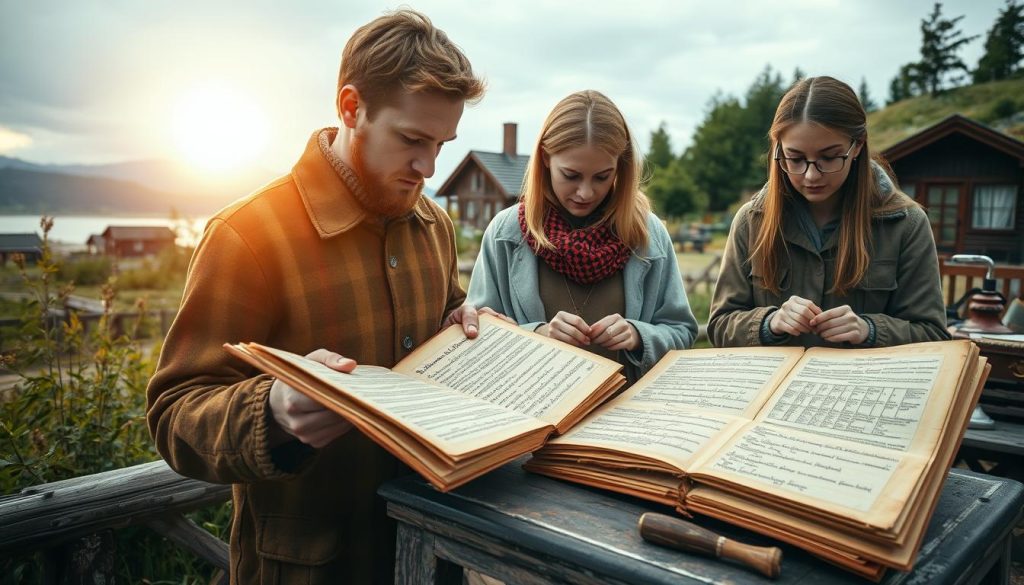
(525, 528)
(1003, 445)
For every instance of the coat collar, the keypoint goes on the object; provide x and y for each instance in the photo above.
(326, 190)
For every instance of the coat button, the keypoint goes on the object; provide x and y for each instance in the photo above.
(393, 261)
(407, 342)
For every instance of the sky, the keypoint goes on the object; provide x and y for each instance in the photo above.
(222, 84)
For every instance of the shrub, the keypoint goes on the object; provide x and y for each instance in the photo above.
(85, 270)
(77, 409)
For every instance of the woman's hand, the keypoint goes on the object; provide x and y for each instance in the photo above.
(614, 333)
(567, 327)
(840, 324)
(794, 317)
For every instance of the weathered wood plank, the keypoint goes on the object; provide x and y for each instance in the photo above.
(1007, 437)
(416, 561)
(192, 537)
(48, 514)
(531, 529)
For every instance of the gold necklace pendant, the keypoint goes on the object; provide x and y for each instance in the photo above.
(578, 309)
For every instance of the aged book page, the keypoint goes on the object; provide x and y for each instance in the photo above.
(848, 433)
(518, 370)
(732, 381)
(454, 423)
(687, 405)
(508, 391)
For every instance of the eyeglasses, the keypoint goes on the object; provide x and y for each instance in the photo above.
(825, 165)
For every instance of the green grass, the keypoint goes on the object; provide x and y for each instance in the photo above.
(994, 104)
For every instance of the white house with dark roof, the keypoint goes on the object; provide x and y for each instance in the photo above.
(484, 183)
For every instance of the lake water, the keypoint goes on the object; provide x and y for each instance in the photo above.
(73, 231)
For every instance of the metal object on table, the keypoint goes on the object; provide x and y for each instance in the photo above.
(980, 420)
(985, 306)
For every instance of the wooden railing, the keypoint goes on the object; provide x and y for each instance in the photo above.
(959, 278)
(48, 517)
(707, 277)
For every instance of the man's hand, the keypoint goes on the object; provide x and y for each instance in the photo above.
(303, 418)
(567, 327)
(467, 315)
(794, 317)
(840, 324)
(614, 333)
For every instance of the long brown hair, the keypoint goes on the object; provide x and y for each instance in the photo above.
(832, 104)
(581, 119)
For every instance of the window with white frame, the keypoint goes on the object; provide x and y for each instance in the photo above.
(994, 207)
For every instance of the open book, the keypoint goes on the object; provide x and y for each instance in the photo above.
(841, 452)
(456, 408)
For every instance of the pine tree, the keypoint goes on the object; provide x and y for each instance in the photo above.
(865, 97)
(906, 84)
(1004, 46)
(941, 40)
(798, 74)
(659, 155)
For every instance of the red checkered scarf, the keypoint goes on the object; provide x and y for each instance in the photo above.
(586, 255)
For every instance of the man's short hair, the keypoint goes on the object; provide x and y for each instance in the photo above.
(403, 50)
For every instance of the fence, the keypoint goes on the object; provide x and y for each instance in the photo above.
(63, 518)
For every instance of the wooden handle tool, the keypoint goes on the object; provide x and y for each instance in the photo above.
(688, 537)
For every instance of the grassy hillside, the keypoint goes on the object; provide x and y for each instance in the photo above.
(999, 104)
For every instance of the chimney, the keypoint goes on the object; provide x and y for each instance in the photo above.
(509, 146)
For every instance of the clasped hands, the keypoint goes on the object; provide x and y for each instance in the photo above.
(300, 417)
(799, 315)
(612, 332)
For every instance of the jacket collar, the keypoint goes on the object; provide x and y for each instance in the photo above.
(327, 189)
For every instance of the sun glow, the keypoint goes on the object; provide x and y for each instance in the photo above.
(218, 129)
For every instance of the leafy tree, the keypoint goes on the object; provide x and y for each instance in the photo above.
(659, 155)
(762, 100)
(865, 97)
(941, 40)
(719, 160)
(1004, 46)
(673, 191)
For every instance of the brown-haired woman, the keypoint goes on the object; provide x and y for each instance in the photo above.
(829, 252)
(581, 258)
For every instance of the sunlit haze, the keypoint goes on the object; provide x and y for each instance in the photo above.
(217, 129)
(223, 85)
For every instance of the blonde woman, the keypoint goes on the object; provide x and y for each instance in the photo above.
(830, 252)
(581, 258)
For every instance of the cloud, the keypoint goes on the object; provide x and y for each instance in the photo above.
(11, 140)
(97, 80)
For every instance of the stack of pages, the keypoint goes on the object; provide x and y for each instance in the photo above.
(456, 408)
(842, 452)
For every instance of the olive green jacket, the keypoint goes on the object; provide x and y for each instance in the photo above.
(900, 293)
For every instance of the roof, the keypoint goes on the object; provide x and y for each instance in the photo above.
(507, 171)
(143, 232)
(956, 124)
(20, 242)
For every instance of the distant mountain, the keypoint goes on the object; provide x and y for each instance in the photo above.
(134, 187)
(144, 186)
(33, 192)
